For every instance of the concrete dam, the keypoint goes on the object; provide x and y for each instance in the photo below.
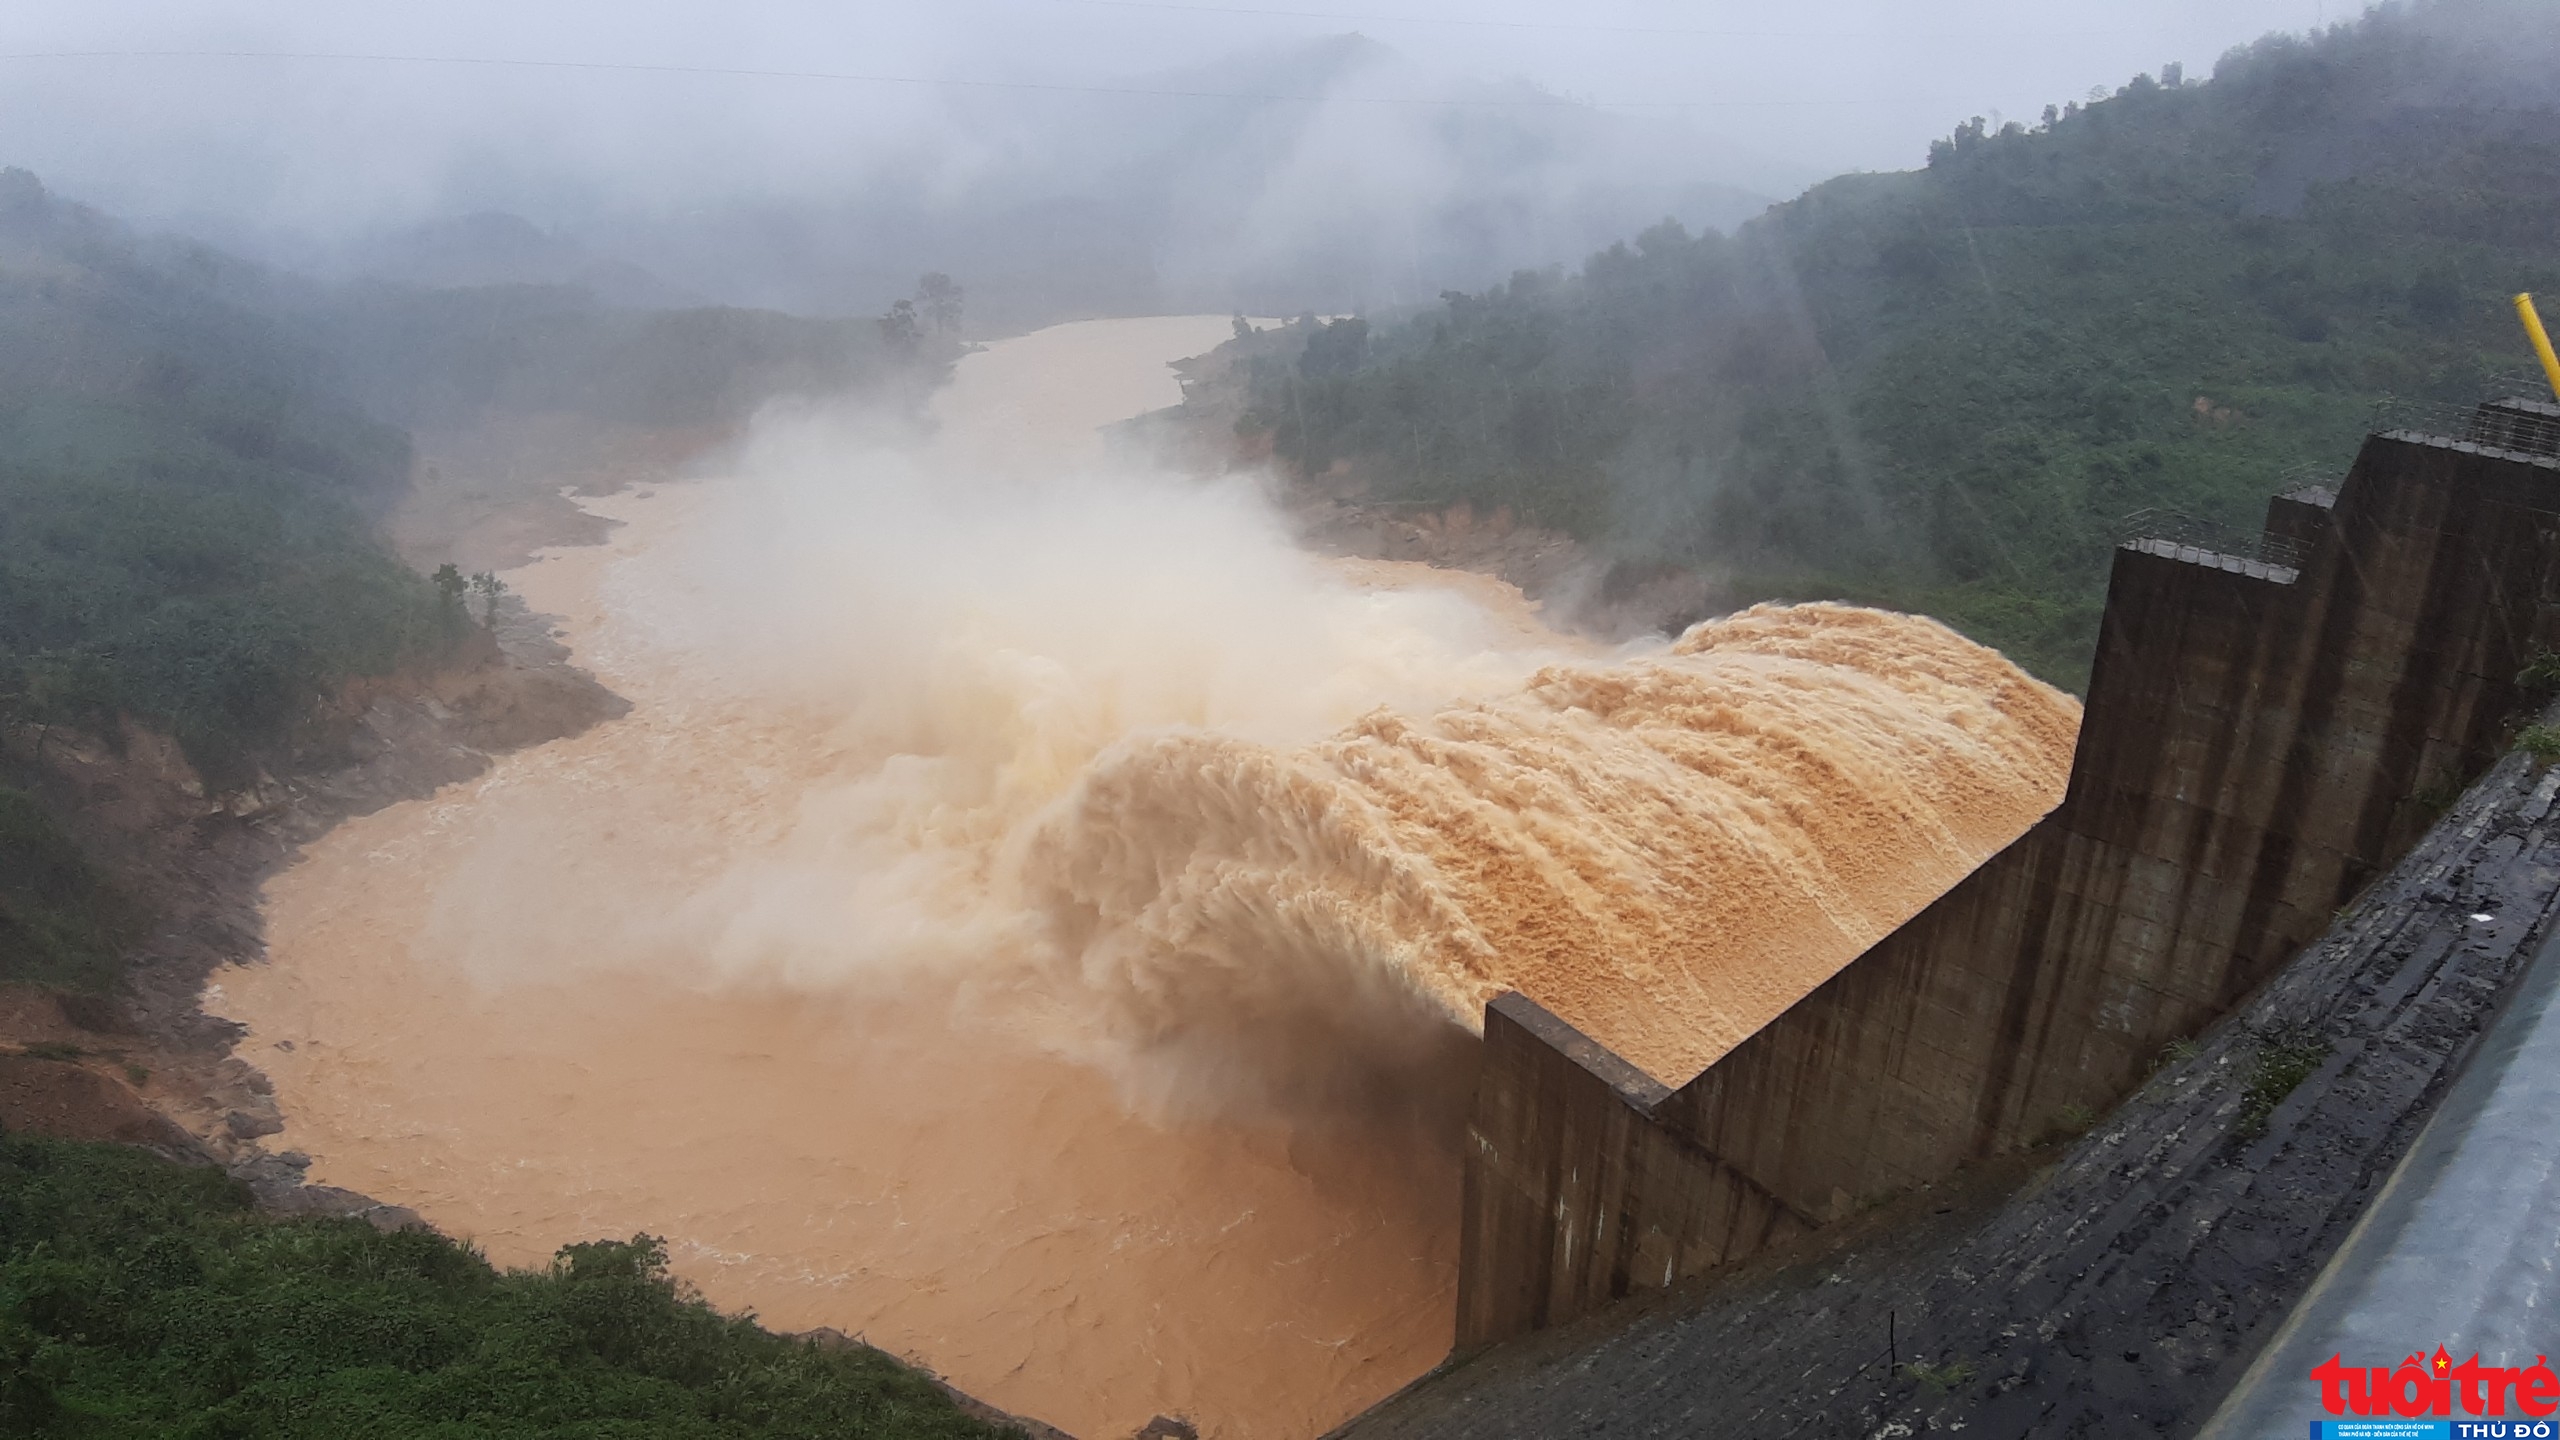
(2272, 721)
(1014, 769)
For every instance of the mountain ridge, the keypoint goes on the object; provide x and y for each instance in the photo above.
(1944, 389)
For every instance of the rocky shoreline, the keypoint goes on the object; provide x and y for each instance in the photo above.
(149, 1066)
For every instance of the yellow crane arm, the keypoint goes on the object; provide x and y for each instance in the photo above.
(2541, 342)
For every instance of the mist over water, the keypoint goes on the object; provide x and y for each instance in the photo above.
(972, 633)
(1035, 916)
(1062, 157)
(747, 968)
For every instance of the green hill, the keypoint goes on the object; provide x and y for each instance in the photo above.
(193, 452)
(434, 359)
(186, 539)
(184, 533)
(1944, 389)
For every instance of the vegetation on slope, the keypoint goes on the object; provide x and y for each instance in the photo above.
(193, 456)
(184, 540)
(441, 358)
(192, 453)
(1944, 389)
(61, 922)
(140, 1298)
(183, 532)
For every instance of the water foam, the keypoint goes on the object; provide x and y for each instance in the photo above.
(1034, 915)
(1666, 851)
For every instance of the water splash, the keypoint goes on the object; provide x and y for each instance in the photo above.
(1665, 851)
(1034, 915)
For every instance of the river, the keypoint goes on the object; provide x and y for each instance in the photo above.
(443, 1034)
(1034, 915)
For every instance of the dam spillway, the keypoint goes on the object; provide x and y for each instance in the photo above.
(1668, 847)
(2266, 723)
(1034, 913)
(922, 975)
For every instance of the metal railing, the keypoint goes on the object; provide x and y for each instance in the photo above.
(2524, 382)
(2520, 418)
(2519, 425)
(2172, 530)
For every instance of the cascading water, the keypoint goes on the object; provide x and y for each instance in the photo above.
(1033, 916)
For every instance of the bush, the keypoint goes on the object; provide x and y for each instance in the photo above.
(2284, 1060)
(140, 1298)
(61, 923)
(2542, 742)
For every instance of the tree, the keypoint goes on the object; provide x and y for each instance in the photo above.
(940, 296)
(899, 326)
(488, 587)
(450, 587)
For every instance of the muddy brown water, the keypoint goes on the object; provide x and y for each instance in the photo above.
(1032, 916)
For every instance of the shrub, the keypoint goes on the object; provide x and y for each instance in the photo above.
(61, 923)
(1939, 1379)
(140, 1298)
(2284, 1059)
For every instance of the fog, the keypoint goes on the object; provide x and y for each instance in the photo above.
(1034, 912)
(1062, 157)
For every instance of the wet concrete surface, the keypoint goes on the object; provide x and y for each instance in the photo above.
(2114, 1287)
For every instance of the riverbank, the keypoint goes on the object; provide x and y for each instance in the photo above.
(490, 1006)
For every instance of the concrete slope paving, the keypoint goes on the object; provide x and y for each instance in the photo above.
(2461, 1250)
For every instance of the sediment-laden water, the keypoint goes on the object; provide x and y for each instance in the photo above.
(1033, 916)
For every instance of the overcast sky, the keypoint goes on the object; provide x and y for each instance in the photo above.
(1811, 88)
(289, 127)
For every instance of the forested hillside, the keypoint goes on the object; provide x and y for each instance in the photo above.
(1943, 389)
(194, 457)
(441, 358)
(183, 502)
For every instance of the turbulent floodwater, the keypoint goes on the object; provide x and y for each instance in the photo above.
(1033, 916)
(1666, 850)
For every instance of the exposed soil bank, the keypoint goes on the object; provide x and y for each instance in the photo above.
(146, 1066)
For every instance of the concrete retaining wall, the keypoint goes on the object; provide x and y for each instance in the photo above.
(2122, 1289)
(2259, 742)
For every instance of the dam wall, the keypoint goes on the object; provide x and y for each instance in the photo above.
(2271, 721)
